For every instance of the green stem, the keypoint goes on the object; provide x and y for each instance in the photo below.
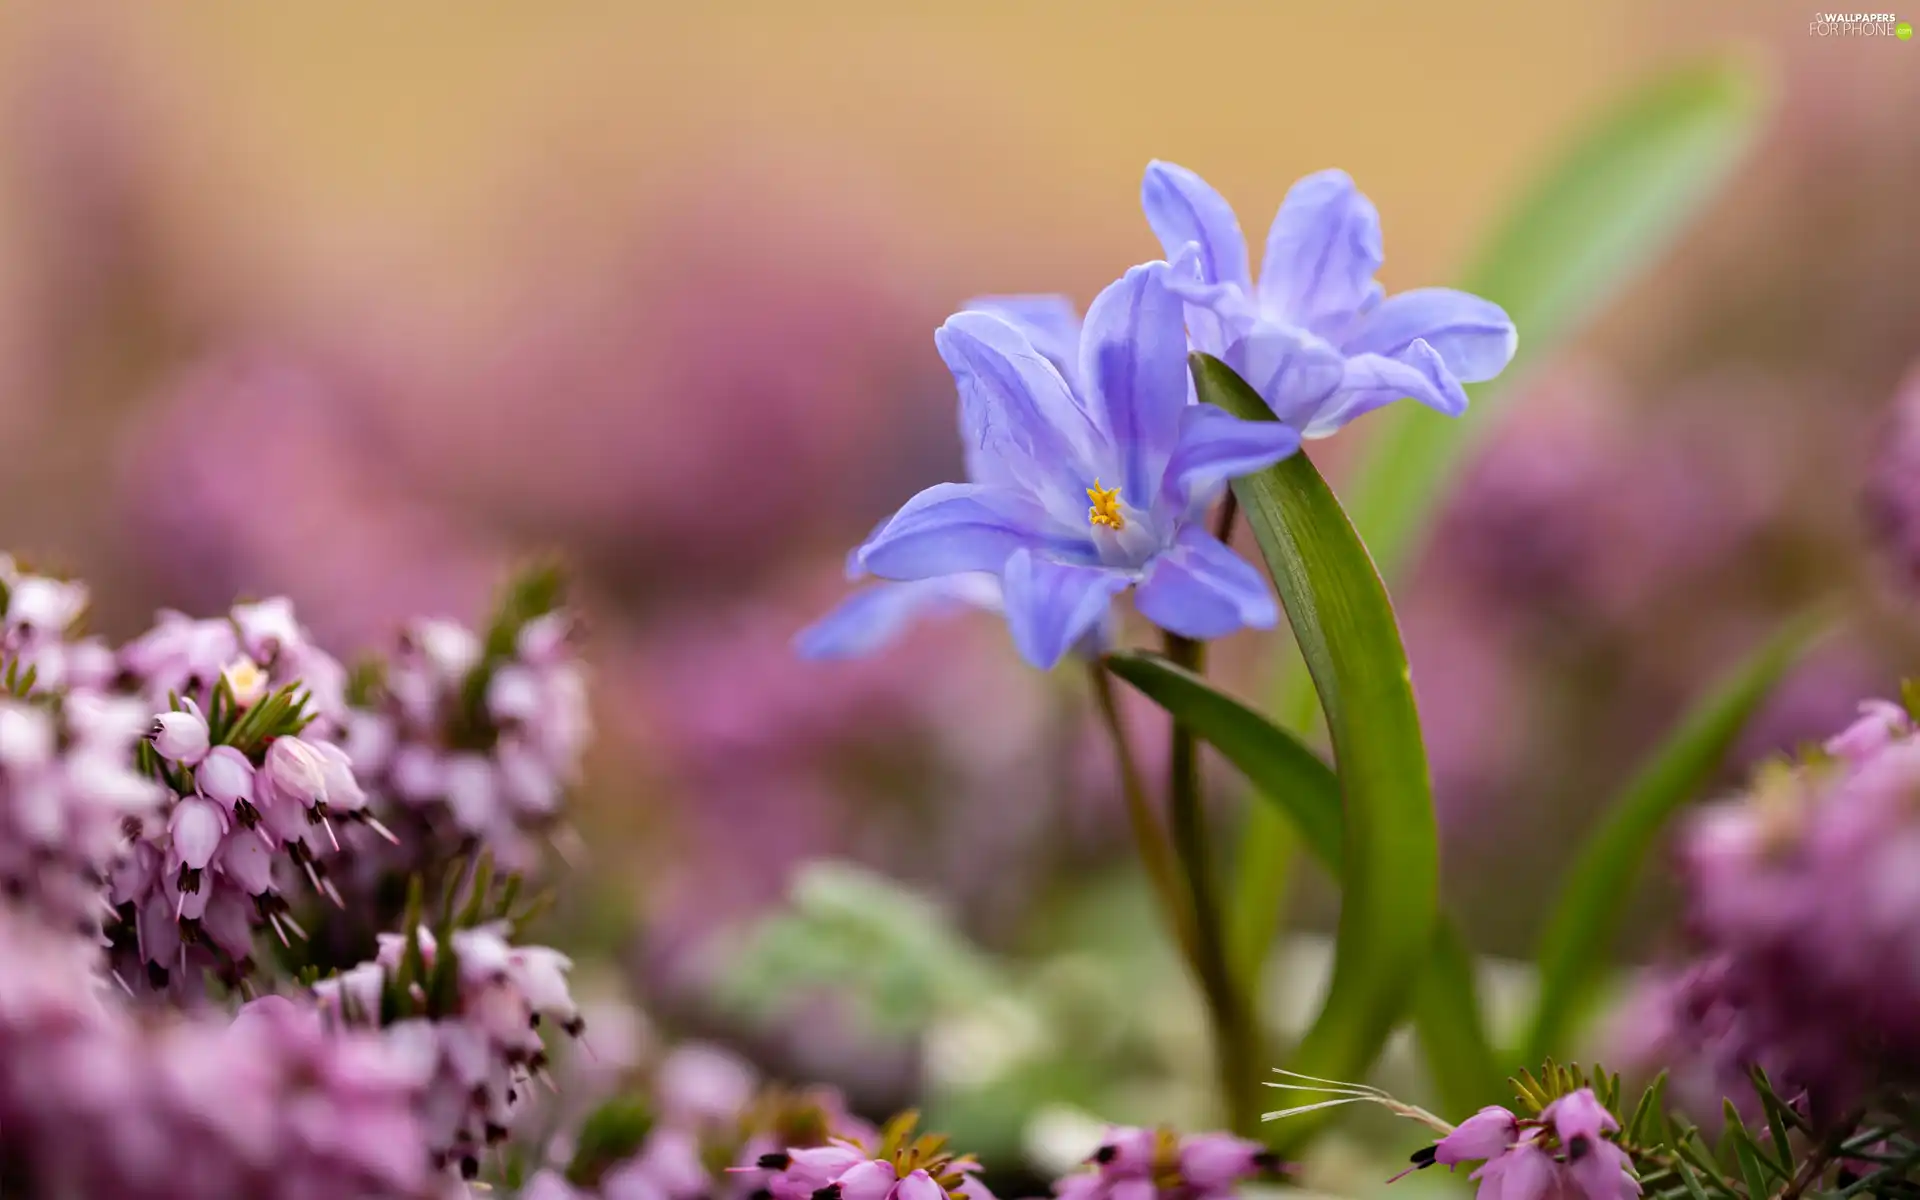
(1235, 1039)
(1155, 854)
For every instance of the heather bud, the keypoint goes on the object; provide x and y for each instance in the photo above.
(180, 737)
(296, 771)
(197, 827)
(225, 776)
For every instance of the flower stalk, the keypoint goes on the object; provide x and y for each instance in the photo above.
(1236, 1037)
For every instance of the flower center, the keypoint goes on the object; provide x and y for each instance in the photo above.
(247, 681)
(1106, 507)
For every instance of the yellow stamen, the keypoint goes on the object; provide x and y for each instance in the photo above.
(1106, 507)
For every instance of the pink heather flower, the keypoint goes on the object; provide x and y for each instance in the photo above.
(240, 829)
(71, 803)
(1579, 1117)
(1523, 1172)
(272, 1105)
(1486, 1134)
(699, 1084)
(1147, 1164)
(1803, 906)
(181, 736)
(483, 1051)
(1881, 723)
(414, 750)
(37, 632)
(1563, 1156)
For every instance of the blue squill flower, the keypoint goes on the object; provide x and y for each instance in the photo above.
(1317, 337)
(874, 617)
(1078, 493)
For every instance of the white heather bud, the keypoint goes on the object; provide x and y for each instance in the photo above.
(342, 789)
(180, 737)
(268, 627)
(450, 649)
(543, 640)
(297, 771)
(248, 862)
(225, 776)
(26, 737)
(514, 695)
(197, 827)
(471, 793)
(41, 605)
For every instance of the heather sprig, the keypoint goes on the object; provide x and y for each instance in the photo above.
(470, 1000)
(468, 739)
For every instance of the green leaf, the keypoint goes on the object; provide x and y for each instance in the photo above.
(1281, 768)
(610, 1135)
(1344, 625)
(1650, 1101)
(1614, 200)
(1289, 776)
(867, 937)
(1581, 928)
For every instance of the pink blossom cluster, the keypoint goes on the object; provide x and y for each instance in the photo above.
(1803, 897)
(472, 742)
(268, 1106)
(244, 826)
(1568, 1153)
(482, 1045)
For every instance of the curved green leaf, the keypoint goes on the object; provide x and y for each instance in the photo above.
(1587, 915)
(1287, 774)
(1282, 769)
(1344, 625)
(1611, 203)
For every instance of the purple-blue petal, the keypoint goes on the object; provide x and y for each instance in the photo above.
(1052, 606)
(1199, 588)
(1322, 253)
(874, 617)
(954, 527)
(1183, 209)
(1216, 446)
(1021, 424)
(1374, 381)
(1133, 359)
(1291, 369)
(1050, 322)
(1474, 337)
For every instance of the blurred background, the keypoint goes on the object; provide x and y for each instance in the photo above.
(363, 303)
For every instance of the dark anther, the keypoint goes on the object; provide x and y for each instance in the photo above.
(469, 1167)
(1106, 1154)
(760, 1194)
(574, 1027)
(156, 975)
(533, 1022)
(248, 814)
(130, 826)
(775, 1162)
(496, 1134)
(1579, 1148)
(829, 1192)
(1268, 1161)
(1423, 1157)
(189, 880)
